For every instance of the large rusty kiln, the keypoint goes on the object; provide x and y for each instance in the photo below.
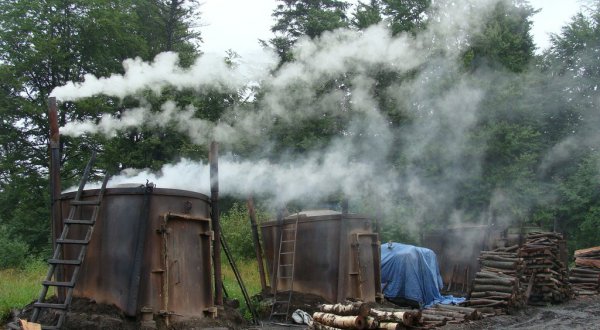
(336, 255)
(150, 251)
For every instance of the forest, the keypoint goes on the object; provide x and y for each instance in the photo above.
(422, 113)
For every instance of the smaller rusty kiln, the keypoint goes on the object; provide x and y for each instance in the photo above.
(458, 249)
(150, 250)
(337, 255)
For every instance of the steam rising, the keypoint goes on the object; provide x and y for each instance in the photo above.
(209, 71)
(355, 163)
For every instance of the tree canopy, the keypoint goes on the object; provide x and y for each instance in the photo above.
(452, 119)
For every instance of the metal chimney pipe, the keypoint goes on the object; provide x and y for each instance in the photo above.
(213, 158)
(54, 143)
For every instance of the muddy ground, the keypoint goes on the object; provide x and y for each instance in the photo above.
(580, 313)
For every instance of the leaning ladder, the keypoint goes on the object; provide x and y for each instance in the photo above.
(58, 261)
(287, 248)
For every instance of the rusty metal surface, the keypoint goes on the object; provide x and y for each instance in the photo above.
(213, 158)
(329, 260)
(458, 250)
(175, 275)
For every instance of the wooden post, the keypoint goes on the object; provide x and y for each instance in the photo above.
(257, 247)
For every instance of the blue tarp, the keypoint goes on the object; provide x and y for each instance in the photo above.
(413, 273)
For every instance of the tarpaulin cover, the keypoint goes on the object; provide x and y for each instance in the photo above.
(412, 272)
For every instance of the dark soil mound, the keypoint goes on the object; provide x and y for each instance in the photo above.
(86, 314)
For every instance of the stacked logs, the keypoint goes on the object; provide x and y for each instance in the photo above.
(361, 316)
(545, 273)
(440, 315)
(358, 315)
(585, 277)
(497, 287)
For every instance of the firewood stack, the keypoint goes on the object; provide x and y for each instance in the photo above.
(585, 277)
(497, 285)
(545, 275)
(440, 315)
(361, 316)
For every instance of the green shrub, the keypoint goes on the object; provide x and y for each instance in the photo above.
(13, 253)
(236, 228)
(235, 225)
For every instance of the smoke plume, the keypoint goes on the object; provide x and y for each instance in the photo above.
(438, 102)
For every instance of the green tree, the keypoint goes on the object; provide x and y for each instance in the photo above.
(505, 39)
(572, 61)
(366, 15)
(405, 15)
(296, 18)
(46, 43)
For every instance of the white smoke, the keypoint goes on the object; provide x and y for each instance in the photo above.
(356, 163)
(209, 71)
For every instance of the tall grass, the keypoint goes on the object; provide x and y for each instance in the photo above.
(19, 287)
(249, 272)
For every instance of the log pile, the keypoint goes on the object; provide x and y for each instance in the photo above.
(545, 273)
(585, 277)
(497, 285)
(440, 315)
(361, 316)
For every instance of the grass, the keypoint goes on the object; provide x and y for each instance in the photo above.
(19, 287)
(249, 272)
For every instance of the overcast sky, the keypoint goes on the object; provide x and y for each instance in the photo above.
(238, 24)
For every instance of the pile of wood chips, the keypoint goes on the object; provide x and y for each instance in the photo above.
(359, 315)
(497, 286)
(545, 274)
(585, 277)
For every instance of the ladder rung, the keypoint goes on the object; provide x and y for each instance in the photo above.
(72, 241)
(286, 265)
(60, 284)
(80, 222)
(289, 229)
(292, 252)
(64, 262)
(47, 305)
(284, 277)
(292, 240)
(84, 203)
(278, 314)
(13, 325)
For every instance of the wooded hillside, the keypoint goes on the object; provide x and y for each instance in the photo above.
(425, 113)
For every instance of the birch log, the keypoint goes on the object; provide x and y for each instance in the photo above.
(357, 308)
(344, 322)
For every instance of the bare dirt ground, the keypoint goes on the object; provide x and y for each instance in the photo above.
(580, 313)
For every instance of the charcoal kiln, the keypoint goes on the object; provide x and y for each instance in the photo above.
(336, 255)
(150, 251)
(458, 249)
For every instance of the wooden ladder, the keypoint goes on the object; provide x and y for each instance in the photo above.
(287, 253)
(58, 262)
